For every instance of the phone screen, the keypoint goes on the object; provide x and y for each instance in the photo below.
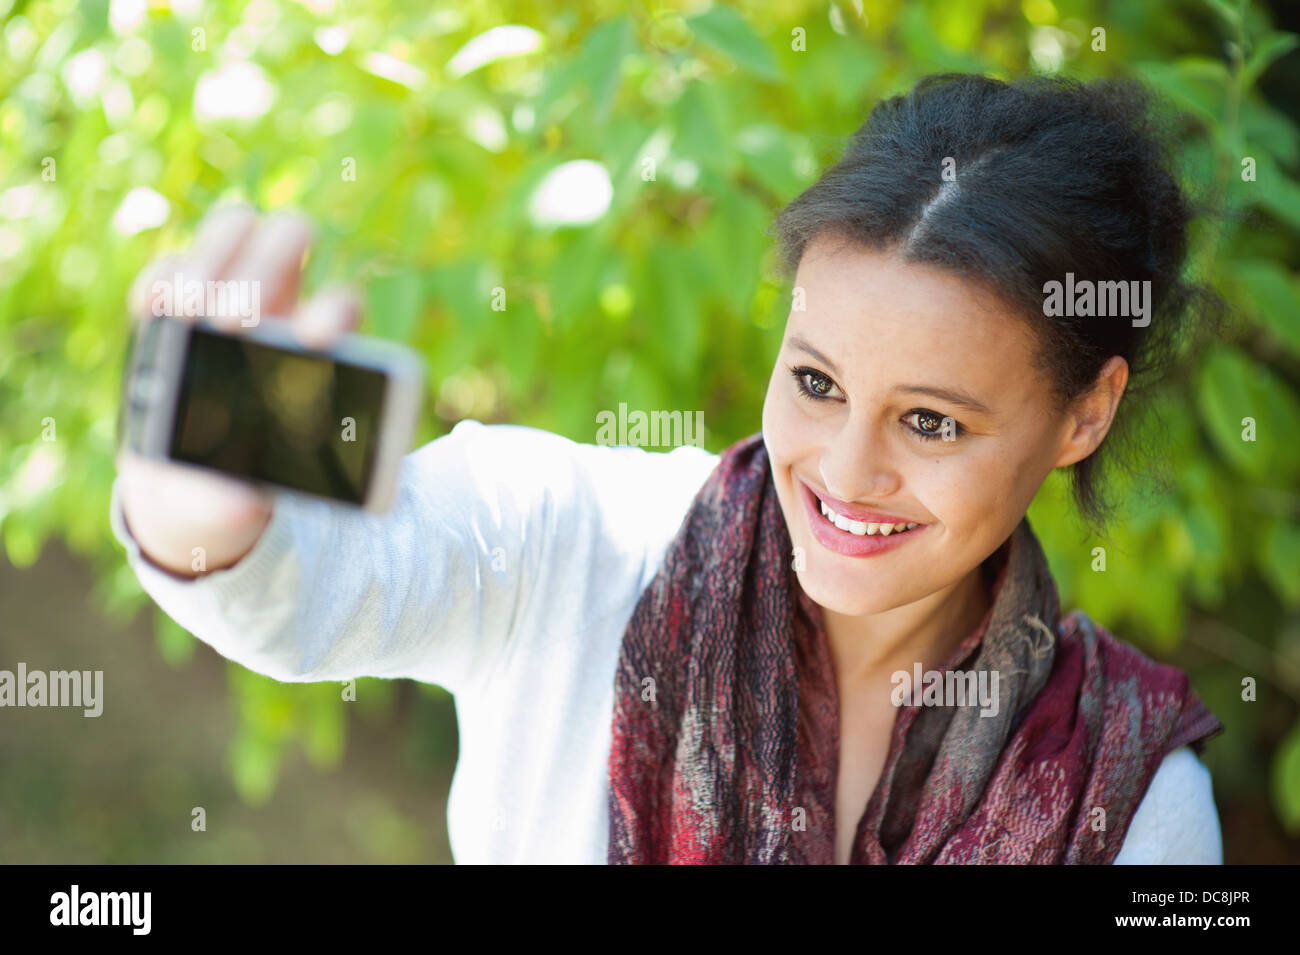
(300, 420)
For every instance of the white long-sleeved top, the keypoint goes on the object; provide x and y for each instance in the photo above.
(506, 572)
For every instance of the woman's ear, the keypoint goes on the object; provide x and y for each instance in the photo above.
(1088, 418)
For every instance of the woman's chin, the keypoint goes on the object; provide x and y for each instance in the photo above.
(847, 598)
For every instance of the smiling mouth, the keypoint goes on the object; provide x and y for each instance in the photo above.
(855, 536)
(862, 528)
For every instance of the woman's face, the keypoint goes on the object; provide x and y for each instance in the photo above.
(927, 408)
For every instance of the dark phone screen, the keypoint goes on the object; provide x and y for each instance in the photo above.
(299, 420)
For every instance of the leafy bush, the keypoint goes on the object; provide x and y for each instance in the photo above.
(122, 123)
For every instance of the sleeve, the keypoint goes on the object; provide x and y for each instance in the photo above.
(486, 520)
(1176, 823)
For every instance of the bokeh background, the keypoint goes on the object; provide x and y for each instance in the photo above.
(615, 167)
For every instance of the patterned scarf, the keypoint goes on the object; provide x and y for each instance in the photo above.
(726, 735)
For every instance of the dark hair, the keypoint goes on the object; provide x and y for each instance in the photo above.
(1052, 176)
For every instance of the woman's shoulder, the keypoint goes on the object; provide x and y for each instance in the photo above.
(1176, 822)
(1128, 676)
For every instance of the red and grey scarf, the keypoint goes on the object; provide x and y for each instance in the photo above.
(725, 727)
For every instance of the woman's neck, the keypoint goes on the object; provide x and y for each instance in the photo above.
(867, 650)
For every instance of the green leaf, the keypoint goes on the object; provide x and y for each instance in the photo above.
(1197, 85)
(1231, 389)
(733, 240)
(1269, 130)
(254, 766)
(1272, 48)
(392, 305)
(600, 62)
(1277, 192)
(1229, 14)
(669, 302)
(729, 33)
(1277, 555)
(1271, 292)
(841, 77)
(325, 729)
(575, 277)
(464, 288)
(1208, 530)
(175, 644)
(22, 542)
(519, 330)
(1286, 781)
(697, 130)
(556, 96)
(770, 155)
(921, 42)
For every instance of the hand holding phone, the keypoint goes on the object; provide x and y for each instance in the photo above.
(192, 521)
(331, 423)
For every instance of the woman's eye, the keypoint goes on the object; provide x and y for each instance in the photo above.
(929, 424)
(813, 384)
(818, 384)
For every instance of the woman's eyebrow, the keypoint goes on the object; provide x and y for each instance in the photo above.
(799, 343)
(944, 394)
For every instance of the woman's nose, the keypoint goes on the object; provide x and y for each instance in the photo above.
(857, 466)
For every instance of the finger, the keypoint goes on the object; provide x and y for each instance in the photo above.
(327, 317)
(272, 261)
(220, 236)
(153, 287)
(217, 240)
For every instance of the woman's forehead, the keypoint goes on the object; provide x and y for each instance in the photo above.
(862, 302)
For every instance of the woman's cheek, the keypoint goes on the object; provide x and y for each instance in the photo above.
(781, 426)
(960, 490)
(978, 491)
(771, 421)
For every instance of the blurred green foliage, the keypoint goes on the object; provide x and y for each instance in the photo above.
(420, 174)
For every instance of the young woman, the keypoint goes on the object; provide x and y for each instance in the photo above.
(683, 657)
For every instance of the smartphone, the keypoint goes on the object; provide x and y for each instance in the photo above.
(260, 406)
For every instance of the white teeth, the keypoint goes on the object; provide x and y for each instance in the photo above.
(862, 528)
